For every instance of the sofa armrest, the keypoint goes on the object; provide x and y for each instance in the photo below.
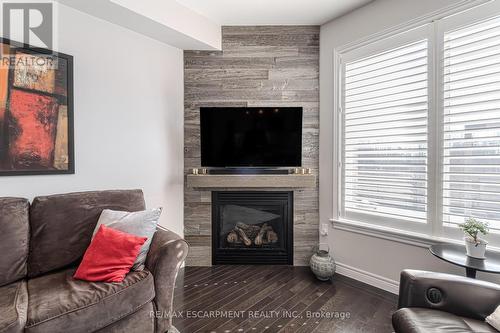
(166, 254)
(459, 295)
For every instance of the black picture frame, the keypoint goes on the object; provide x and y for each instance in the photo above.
(25, 48)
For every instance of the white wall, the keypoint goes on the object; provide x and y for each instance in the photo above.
(365, 257)
(128, 110)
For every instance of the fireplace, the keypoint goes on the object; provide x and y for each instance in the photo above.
(252, 227)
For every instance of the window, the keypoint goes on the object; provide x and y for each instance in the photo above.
(420, 126)
(471, 157)
(385, 134)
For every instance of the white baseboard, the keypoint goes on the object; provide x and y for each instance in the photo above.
(368, 278)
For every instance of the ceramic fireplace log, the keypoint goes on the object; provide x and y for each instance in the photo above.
(243, 236)
(272, 237)
(252, 234)
(233, 238)
(250, 230)
(260, 236)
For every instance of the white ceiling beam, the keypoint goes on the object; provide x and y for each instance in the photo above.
(164, 20)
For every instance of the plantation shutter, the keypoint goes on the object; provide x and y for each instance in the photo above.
(385, 116)
(471, 154)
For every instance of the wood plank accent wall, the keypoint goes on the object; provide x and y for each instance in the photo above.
(258, 66)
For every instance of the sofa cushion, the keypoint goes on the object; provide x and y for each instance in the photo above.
(421, 320)
(62, 225)
(59, 303)
(110, 256)
(14, 228)
(139, 321)
(479, 325)
(13, 307)
(142, 224)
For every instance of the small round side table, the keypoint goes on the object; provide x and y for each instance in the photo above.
(456, 255)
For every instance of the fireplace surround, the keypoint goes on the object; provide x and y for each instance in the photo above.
(244, 74)
(252, 227)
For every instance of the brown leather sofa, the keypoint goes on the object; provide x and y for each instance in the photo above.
(40, 247)
(435, 302)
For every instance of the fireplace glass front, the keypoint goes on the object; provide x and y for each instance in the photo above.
(252, 227)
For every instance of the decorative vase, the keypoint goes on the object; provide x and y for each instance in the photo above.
(322, 264)
(475, 250)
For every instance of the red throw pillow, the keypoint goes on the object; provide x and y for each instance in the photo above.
(109, 256)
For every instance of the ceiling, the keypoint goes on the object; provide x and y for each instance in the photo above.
(272, 12)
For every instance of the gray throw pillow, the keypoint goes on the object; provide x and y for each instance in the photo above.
(142, 224)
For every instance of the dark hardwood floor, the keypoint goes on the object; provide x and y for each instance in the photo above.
(227, 299)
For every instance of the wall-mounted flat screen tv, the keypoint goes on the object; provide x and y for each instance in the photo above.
(251, 137)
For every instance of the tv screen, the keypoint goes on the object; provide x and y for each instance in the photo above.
(251, 137)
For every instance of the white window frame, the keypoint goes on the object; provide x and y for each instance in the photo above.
(433, 28)
(408, 37)
(442, 26)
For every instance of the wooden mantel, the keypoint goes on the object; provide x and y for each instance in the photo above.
(250, 181)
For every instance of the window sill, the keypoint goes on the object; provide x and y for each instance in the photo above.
(396, 235)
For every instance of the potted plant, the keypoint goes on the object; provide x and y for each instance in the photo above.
(475, 246)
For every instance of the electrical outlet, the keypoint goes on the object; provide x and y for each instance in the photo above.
(324, 229)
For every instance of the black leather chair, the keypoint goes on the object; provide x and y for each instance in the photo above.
(435, 302)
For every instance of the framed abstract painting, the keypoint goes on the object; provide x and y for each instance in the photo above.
(36, 111)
